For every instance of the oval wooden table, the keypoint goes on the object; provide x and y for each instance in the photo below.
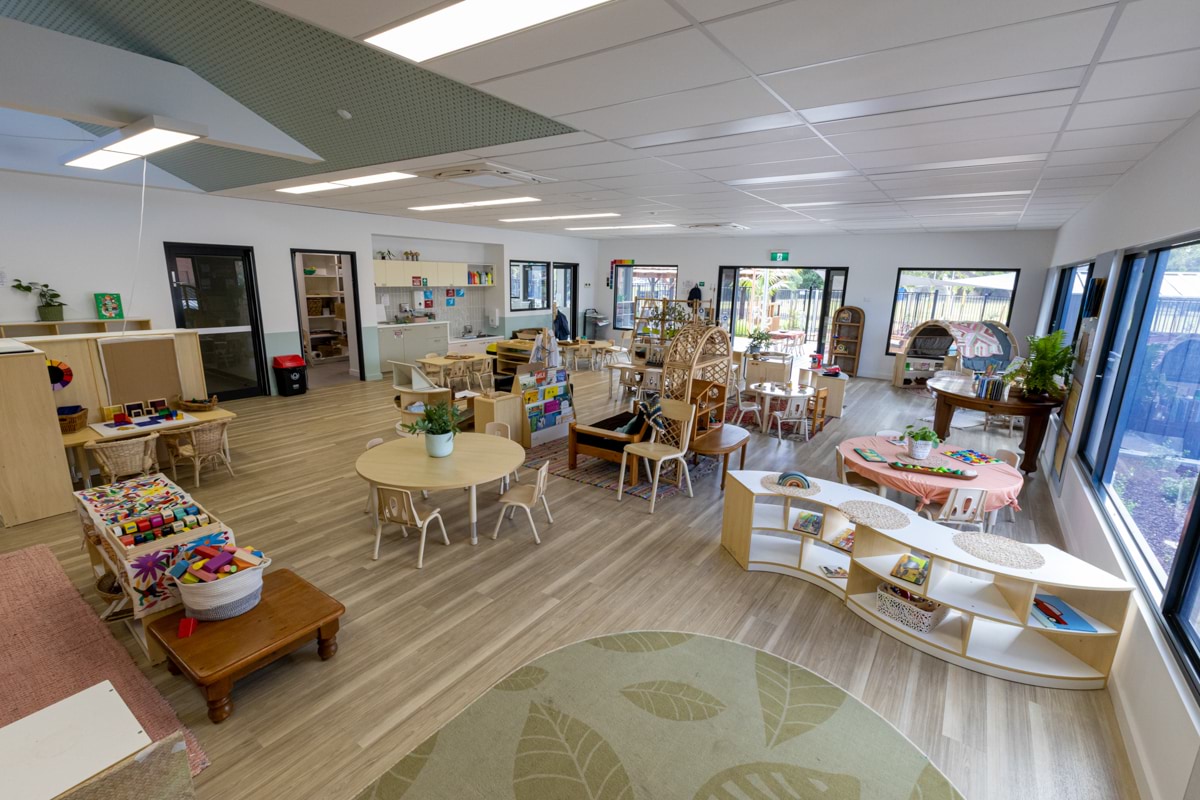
(956, 392)
(404, 464)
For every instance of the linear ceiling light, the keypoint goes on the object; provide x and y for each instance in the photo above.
(504, 201)
(562, 216)
(622, 227)
(808, 176)
(965, 195)
(470, 22)
(148, 135)
(342, 183)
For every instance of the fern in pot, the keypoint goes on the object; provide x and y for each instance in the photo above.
(1049, 362)
(920, 441)
(439, 423)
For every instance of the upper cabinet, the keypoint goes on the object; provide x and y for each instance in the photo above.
(432, 273)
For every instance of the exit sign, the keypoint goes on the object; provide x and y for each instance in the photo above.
(779, 255)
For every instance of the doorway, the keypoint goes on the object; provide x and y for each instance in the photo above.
(795, 305)
(214, 292)
(327, 310)
(566, 293)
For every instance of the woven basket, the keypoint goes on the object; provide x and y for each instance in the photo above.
(187, 405)
(225, 598)
(314, 306)
(70, 423)
(109, 588)
(920, 617)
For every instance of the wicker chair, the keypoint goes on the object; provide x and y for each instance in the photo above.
(199, 444)
(125, 457)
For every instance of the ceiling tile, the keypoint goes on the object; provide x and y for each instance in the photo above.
(1118, 135)
(614, 169)
(1099, 155)
(1149, 27)
(352, 19)
(977, 108)
(657, 180)
(1165, 73)
(1083, 170)
(990, 148)
(596, 153)
(802, 167)
(1017, 123)
(793, 130)
(754, 154)
(1150, 108)
(711, 9)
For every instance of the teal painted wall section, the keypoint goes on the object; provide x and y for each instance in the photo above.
(370, 348)
(283, 343)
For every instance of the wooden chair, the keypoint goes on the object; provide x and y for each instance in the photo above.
(502, 430)
(626, 346)
(1013, 460)
(817, 411)
(125, 457)
(963, 508)
(199, 444)
(398, 506)
(666, 445)
(526, 496)
(851, 478)
(795, 411)
(484, 381)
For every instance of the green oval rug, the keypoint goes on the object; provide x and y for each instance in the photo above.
(654, 715)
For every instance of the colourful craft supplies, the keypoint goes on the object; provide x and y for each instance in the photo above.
(972, 457)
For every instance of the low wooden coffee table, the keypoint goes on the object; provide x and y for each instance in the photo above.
(721, 442)
(291, 613)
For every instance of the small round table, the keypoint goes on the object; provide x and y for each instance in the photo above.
(777, 391)
(721, 442)
(404, 464)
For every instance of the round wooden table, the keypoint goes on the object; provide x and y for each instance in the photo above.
(404, 464)
(955, 391)
(721, 442)
(777, 391)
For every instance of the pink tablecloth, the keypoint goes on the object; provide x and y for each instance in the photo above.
(1003, 483)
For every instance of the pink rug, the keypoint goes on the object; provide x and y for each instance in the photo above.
(53, 645)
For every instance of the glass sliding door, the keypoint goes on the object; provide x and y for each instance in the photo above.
(213, 291)
(565, 293)
(796, 303)
(635, 282)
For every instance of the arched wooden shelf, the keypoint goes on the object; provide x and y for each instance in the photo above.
(845, 346)
(697, 369)
(927, 348)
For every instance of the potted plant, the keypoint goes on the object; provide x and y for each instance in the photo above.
(920, 441)
(50, 307)
(439, 423)
(1049, 360)
(758, 339)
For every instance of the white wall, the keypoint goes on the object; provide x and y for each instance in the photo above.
(872, 258)
(81, 237)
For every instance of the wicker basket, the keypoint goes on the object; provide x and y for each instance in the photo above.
(70, 423)
(314, 306)
(188, 405)
(922, 616)
(109, 588)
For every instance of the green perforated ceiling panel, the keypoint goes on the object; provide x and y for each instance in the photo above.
(295, 76)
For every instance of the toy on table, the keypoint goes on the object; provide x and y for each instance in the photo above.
(867, 454)
(159, 525)
(937, 472)
(794, 479)
(972, 457)
(206, 563)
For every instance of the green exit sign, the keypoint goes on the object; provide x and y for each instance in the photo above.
(779, 255)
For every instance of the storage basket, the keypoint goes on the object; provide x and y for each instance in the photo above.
(922, 616)
(70, 423)
(314, 306)
(188, 405)
(225, 598)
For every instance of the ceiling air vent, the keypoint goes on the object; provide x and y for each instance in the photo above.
(715, 226)
(485, 174)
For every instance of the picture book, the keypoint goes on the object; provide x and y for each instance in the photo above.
(1054, 613)
(550, 392)
(550, 406)
(972, 457)
(539, 377)
(530, 396)
(808, 522)
(868, 454)
(835, 572)
(911, 568)
(844, 540)
(560, 376)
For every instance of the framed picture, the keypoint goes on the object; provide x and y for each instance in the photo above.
(133, 410)
(112, 411)
(108, 306)
(157, 405)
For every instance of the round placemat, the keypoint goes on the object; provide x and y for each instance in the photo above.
(999, 550)
(873, 515)
(771, 483)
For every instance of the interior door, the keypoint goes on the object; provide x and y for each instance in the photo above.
(213, 292)
(566, 295)
(833, 297)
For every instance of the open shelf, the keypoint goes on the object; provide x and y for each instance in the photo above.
(975, 595)
(766, 549)
(817, 554)
(1101, 628)
(1024, 650)
(948, 635)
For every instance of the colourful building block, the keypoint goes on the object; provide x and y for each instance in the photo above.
(187, 626)
(219, 560)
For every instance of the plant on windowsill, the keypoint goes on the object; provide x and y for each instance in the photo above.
(1049, 363)
(439, 423)
(758, 340)
(920, 441)
(50, 307)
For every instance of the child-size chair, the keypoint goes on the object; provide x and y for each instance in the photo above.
(963, 508)
(199, 444)
(125, 457)
(526, 496)
(667, 443)
(398, 506)
(796, 411)
(502, 430)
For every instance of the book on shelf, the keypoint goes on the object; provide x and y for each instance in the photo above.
(834, 572)
(912, 568)
(1054, 613)
(808, 522)
(844, 540)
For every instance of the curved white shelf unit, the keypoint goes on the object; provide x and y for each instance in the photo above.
(989, 628)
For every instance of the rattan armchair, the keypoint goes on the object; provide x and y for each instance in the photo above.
(125, 457)
(199, 444)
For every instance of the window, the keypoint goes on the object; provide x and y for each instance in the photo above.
(1068, 300)
(528, 285)
(634, 282)
(953, 295)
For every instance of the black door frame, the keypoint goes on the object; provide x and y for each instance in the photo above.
(173, 250)
(573, 315)
(823, 319)
(362, 369)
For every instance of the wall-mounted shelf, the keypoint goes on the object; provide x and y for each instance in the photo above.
(417, 274)
(17, 330)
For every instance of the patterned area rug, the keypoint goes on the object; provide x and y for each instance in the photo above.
(52, 645)
(656, 716)
(605, 474)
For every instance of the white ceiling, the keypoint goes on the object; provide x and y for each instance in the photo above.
(903, 115)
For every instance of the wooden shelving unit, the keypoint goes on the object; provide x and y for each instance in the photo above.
(322, 334)
(846, 341)
(69, 327)
(697, 369)
(657, 322)
(988, 627)
(511, 354)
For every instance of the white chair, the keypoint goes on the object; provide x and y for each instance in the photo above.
(750, 406)
(502, 430)
(852, 478)
(1013, 460)
(963, 508)
(667, 445)
(888, 433)
(398, 506)
(526, 496)
(796, 411)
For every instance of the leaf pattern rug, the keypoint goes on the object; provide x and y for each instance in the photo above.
(656, 715)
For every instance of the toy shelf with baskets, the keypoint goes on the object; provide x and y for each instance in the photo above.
(982, 615)
(846, 338)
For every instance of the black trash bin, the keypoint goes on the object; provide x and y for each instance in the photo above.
(291, 376)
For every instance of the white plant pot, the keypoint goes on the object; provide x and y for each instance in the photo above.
(919, 450)
(439, 445)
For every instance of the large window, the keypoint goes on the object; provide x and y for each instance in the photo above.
(1068, 300)
(634, 282)
(953, 295)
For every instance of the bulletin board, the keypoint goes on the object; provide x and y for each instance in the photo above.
(140, 368)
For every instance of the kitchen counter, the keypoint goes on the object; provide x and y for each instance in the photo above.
(489, 338)
(382, 325)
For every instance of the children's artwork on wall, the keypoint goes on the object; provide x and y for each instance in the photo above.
(108, 306)
(460, 292)
(60, 374)
(449, 301)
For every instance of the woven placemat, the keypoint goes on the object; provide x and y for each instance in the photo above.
(999, 550)
(771, 483)
(873, 515)
(934, 460)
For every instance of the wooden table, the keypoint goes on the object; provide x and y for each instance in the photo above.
(776, 391)
(77, 441)
(955, 391)
(623, 370)
(291, 613)
(436, 366)
(404, 464)
(721, 442)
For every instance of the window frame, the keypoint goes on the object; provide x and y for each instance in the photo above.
(617, 281)
(525, 282)
(887, 339)
(1066, 276)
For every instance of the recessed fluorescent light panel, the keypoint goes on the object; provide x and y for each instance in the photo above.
(1020, 193)
(622, 227)
(470, 22)
(342, 183)
(563, 216)
(808, 176)
(148, 135)
(311, 187)
(504, 201)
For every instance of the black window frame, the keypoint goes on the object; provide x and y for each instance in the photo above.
(887, 337)
(617, 280)
(526, 282)
(1062, 292)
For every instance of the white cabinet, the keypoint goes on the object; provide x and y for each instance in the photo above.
(410, 342)
(468, 346)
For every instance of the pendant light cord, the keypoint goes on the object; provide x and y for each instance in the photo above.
(137, 260)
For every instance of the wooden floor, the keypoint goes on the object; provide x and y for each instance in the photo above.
(418, 646)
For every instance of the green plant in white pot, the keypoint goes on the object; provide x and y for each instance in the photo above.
(758, 340)
(920, 441)
(50, 307)
(439, 423)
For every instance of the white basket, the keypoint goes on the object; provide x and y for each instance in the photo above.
(907, 613)
(224, 598)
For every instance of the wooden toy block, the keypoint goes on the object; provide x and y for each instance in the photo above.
(156, 521)
(180, 513)
(207, 551)
(187, 626)
(127, 540)
(192, 511)
(230, 548)
(249, 558)
(143, 525)
(139, 538)
(189, 578)
(202, 519)
(189, 521)
(219, 560)
(202, 574)
(179, 568)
